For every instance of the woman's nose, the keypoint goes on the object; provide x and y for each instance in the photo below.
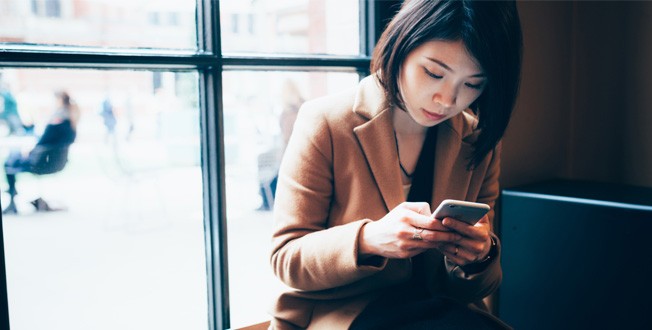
(445, 96)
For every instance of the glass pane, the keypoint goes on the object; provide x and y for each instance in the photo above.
(291, 26)
(109, 243)
(100, 23)
(259, 112)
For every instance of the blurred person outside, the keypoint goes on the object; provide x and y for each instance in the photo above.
(9, 110)
(292, 101)
(108, 117)
(128, 114)
(269, 161)
(49, 155)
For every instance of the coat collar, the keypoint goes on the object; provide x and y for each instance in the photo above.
(376, 138)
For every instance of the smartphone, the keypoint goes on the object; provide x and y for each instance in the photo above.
(468, 212)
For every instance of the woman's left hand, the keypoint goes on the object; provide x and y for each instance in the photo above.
(475, 244)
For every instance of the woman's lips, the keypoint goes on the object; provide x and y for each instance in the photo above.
(432, 116)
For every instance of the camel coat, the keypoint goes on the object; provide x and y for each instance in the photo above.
(340, 171)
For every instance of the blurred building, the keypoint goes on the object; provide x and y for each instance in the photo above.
(280, 26)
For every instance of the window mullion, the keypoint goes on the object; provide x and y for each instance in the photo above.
(4, 301)
(48, 58)
(367, 26)
(213, 167)
(214, 199)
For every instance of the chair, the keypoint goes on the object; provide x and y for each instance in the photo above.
(42, 160)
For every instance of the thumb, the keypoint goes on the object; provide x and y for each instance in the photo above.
(418, 207)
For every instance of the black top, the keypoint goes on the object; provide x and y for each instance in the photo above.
(422, 178)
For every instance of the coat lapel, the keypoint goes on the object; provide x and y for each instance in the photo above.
(377, 141)
(376, 138)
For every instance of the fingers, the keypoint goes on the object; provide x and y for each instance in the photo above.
(475, 242)
(422, 208)
(478, 231)
(409, 229)
(436, 236)
(453, 253)
(418, 215)
(458, 255)
(427, 237)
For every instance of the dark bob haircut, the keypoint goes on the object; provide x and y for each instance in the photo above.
(491, 32)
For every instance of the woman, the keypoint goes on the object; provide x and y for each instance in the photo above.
(50, 153)
(423, 128)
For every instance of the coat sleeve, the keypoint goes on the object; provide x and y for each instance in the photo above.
(473, 287)
(308, 254)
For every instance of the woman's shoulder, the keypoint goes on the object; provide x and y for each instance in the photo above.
(335, 110)
(347, 108)
(333, 104)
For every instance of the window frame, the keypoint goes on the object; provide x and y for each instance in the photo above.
(209, 62)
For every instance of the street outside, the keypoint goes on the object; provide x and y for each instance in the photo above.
(128, 252)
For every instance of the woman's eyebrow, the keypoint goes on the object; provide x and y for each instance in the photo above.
(445, 66)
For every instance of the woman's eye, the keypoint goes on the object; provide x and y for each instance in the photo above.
(432, 74)
(477, 86)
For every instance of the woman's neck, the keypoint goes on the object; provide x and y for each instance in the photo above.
(405, 125)
(409, 141)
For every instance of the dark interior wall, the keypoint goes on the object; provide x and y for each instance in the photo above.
(600, 102)
(584, 107)
(637, 145)
(535, 146)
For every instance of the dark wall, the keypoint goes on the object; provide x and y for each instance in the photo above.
(535, 146)
(637, 145)
(584, 107)
(600, 102)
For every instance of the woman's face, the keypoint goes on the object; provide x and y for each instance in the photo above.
(438, 80)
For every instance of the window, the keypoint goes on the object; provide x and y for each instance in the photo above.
(47, 8)
(123, 233)
(139, 24)
(177, 148)
(235, 26)
(292, 26)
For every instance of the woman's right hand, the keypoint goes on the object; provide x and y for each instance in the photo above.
(393, 236)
